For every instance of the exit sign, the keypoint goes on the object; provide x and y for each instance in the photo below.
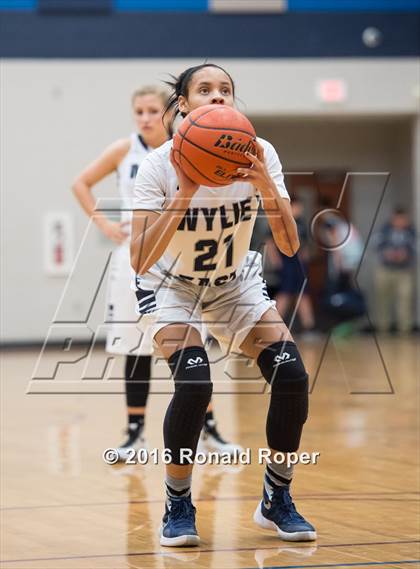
(332, 90)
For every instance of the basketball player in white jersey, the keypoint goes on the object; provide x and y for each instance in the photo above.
(190, 247)
(125, 157)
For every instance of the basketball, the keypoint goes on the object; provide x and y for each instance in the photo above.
(211, 143)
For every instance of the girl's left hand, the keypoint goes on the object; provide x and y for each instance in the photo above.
(257, 174)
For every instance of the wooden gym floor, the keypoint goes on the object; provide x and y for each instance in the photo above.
(64, 508)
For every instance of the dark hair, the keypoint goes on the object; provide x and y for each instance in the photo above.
(180, 86)
(400, 210)
(326, 202)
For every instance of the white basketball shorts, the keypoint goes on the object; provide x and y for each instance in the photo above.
(229, 311)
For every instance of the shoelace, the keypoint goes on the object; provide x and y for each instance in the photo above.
(182, 510)
(282, 502)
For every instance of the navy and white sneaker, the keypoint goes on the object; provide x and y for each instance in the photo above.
(178, 524)
(135, 441)
(279, 514)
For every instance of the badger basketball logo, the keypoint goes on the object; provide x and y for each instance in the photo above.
(228, 142)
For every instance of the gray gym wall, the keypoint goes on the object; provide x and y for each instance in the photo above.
(57, 115)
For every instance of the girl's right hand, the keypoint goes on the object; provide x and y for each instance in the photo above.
(114, 230)
(186, 186)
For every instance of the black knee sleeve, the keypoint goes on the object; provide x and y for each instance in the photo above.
(282, 367)
(184, 417)
(137, 380)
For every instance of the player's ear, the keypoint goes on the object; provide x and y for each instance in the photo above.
(183, 105)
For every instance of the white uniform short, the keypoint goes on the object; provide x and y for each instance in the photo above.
(124, 335)
(229, 311)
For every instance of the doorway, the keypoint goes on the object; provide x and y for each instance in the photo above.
(318, 191)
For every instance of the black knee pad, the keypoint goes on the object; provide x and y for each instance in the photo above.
(281, 364)
(184, 417)
(190, 368)
(282, 367)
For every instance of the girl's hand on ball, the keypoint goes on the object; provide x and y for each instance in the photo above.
(257, 174)
(186, 185)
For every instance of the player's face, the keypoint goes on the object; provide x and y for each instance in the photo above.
(400, 221)
(148, 110)
(208, 86)
(297, 209)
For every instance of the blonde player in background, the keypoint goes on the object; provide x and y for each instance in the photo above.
(125, 157)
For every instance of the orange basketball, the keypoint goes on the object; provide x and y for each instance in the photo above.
(211, 142)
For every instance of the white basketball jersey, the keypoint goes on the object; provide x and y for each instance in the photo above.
(213, 237)
(127, 171)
